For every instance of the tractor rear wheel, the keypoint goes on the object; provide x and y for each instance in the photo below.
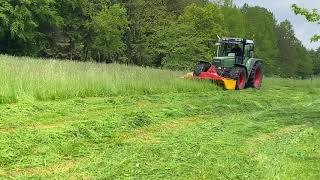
(201, 67)
(256, 76)
(240, 75)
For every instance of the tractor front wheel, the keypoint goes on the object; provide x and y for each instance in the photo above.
(256, 76)
(240, 75)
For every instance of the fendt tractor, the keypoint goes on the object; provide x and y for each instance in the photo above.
(234, 66)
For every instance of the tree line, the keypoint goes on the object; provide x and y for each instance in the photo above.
(159, 33)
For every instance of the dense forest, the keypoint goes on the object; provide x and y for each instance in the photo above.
(160, 33)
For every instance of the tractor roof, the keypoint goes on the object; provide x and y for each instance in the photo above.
(237, 40)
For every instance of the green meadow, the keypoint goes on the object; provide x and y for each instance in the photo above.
(73, 120)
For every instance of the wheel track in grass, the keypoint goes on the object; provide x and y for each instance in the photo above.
(186, 121)
(264, 137)
(278, 151)
(153, 134)
(146, 135)
(36, 126)
(157, 132)
(143, 103)
(63, 124)
(149, 134)
(267, 148)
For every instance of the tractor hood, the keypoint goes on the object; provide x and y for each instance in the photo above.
(224, 61)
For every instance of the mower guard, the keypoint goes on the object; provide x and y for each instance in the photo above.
(229, 84)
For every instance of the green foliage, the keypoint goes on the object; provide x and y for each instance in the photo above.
(234, 22)
(260, 26)
(305, 64)
(225, 3)
(72, 39)
(183, 52)
(204, 20)
(311, 16)
(109, 27)
(146, 18)
(188, 39)
(5, 10)
(315, 55)
(24, 25)
(287, 42)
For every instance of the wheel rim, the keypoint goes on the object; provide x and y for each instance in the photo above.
(241, 81)
(257, 78)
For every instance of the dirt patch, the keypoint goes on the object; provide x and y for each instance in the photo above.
(35, 127)
(2, 172)
(63, 167)
(143, 136)
(47, 126)
(274, 135)
(148, 134)
(8, 130)
(147, 104)
(259, 140)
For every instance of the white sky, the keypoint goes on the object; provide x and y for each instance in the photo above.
(282, 11)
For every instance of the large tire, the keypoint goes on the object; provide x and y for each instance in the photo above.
(256, 76)
(201, 67)
(240, 75)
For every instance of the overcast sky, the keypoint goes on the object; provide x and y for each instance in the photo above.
(282, 10)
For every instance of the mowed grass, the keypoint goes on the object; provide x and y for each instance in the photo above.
(66, 120)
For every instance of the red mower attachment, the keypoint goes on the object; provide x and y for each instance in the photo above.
(205, 70)
(211, 74)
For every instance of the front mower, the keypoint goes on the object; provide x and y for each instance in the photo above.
(234, 67)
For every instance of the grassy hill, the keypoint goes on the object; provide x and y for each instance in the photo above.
(68, 120)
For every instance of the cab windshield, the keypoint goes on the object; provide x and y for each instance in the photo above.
(227, 49)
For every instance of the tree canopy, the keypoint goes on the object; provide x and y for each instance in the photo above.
(161, 33)
(311, 16)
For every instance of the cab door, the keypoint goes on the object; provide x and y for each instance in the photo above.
(249, 56)
(248, 53)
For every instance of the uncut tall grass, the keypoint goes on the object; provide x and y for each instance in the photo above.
(23, 78)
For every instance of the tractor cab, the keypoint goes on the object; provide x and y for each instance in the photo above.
(231, 51)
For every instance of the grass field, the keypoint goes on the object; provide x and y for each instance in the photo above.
(67, 120)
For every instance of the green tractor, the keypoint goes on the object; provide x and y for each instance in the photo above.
(235, 66)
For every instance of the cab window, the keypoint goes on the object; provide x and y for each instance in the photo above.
(248, 50)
